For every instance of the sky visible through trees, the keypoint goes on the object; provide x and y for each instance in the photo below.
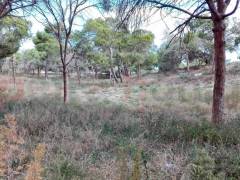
(156, 24)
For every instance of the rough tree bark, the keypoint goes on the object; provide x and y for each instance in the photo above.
(219, 73)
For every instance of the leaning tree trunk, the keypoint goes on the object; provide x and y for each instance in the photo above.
(113, 74)
(219, 74)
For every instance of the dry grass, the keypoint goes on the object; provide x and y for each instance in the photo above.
(148, 129)
(14, 158)
(35, 168)
(93, 89)
(9, 91)
(84, 141)
(11, 153)
(232, 101)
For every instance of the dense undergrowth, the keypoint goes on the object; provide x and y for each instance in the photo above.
(107, 141)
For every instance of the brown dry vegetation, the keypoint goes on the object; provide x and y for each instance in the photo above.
(155, 128)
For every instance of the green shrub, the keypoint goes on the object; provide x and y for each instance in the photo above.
(202, 166)
(222, 164)
(165, 127)
(63, 169)
(107, 129)
(95, 156)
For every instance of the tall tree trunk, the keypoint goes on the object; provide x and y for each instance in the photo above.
(120, 74)
(113, 74)
(64, 83)
(46, 69)
(139, 71)
(126, 70)
(188, 66)
(111, 67)
(1, 66)
(219, 74)
(69, 73)
(38, 71)
(78, 72)
(96, 73)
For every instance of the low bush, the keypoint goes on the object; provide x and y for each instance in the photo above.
(166, 127)
(202, 166)
(213, 164)
(62, 168)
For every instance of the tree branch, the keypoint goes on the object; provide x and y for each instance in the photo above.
(165, 5)
(233, 11)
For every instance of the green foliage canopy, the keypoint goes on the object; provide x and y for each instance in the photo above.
(46, 44)
(12, 31)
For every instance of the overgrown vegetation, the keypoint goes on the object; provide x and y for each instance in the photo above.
(81, 140)
(133, 108)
